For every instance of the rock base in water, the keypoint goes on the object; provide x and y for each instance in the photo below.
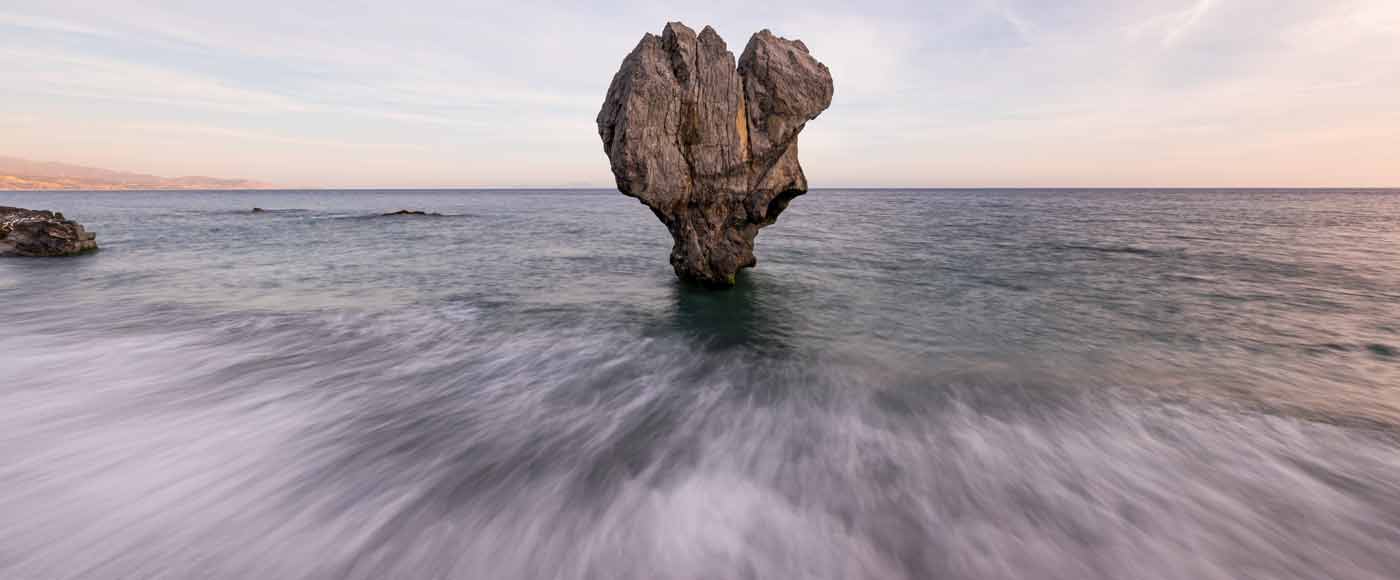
(26, 232)
(710, 147)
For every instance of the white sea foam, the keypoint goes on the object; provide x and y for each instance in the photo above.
(975, 385)
(362, 446)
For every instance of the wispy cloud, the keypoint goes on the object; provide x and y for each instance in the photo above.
(1181, 23)
(50, 25)
(433, 92)
(1025, 29)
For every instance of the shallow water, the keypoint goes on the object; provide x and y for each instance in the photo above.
(912, 384)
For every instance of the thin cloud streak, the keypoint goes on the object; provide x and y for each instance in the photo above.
(1185, 21)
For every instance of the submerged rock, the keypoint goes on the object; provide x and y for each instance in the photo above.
(410, 212)
(710, 147)
(259, 210)
(27, 232)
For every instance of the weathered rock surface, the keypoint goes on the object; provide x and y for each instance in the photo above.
(710, 147)
(25, 232)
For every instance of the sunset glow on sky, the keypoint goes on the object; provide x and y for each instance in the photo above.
(928, 93)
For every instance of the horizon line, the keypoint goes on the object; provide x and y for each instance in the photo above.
(824, 188)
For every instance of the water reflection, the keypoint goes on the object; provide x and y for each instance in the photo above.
(756, 313)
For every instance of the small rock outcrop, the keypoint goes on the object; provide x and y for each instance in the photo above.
(26, 232)
(709, 146)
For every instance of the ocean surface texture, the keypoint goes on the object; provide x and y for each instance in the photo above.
(912, 384)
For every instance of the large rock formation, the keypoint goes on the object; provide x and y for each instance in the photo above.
(26, 232)
(711, 148)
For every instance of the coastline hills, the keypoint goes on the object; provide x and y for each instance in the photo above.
(23, 174)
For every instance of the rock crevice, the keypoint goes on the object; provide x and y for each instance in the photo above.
(710, 144)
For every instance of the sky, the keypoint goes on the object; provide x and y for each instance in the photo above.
(977, 93)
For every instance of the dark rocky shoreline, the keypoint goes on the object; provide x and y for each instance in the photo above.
(41, 233)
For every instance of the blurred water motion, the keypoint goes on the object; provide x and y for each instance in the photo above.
(981, 384)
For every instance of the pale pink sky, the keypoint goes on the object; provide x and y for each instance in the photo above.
(928, 93)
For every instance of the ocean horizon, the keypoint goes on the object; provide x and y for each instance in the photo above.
(612, 189)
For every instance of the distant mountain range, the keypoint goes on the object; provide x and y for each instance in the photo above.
(23, 174)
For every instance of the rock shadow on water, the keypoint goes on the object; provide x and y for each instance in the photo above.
(756, 313)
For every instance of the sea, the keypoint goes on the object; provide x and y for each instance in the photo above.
(943, 384)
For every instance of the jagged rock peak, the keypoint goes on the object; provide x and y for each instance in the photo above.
(710, 145)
